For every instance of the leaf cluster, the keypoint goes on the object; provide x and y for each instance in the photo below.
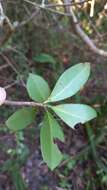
(69, 83)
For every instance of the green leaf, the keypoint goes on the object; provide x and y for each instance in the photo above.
(21, 119)
(45, 58)
(17, 179)
(70, 82)
(49, 132)
(37, 88)
(73, 114)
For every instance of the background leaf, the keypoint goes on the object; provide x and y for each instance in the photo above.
(37, 88)
(45, 58)
(21, 119)
(73, 114)
(49, 132)
(70, 82)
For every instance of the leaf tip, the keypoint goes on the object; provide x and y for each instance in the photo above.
(87, 64)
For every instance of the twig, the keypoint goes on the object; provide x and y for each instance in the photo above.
(92, 25)
(58, 5)
(69, 12)
(8, 30)
(66, 4)
(2, 16)
(30, 18)
(12, 84)
(82, 34)
(13, 68)
(23, 103)
(3, 66)
(47, 9)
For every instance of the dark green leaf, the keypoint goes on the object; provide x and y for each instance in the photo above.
(49, 132)
(21, 119)
(45, 58)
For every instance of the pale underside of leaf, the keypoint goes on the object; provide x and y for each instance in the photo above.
(70, 82)
(73, 114)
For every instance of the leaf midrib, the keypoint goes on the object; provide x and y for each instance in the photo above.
(51, 136)
(54, 97)
(41, 94)
(67, 113)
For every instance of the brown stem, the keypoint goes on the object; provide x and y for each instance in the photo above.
(23, 103)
